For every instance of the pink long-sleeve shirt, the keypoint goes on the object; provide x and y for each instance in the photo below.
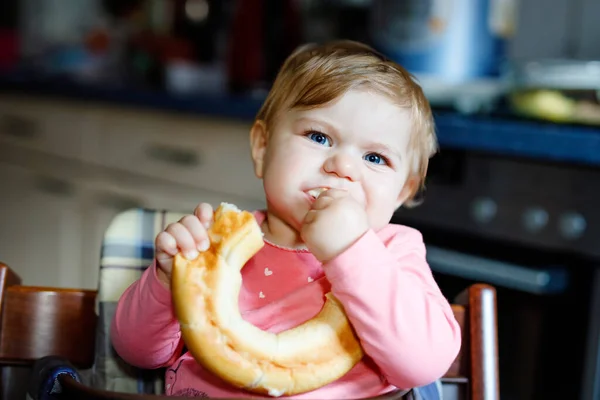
(404, 323)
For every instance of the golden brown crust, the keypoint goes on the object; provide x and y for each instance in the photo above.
(205, 297)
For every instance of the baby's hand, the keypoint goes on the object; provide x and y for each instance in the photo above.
(334, 223)
(188, 236)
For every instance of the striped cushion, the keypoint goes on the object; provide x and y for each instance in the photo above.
(127, 250)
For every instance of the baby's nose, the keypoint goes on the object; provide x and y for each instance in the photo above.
(343, 165)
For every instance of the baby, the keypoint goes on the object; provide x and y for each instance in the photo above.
(342, 141)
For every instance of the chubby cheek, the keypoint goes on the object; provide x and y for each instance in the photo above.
(281, 176)
(380, 201)
(285, 161)
(274, 183)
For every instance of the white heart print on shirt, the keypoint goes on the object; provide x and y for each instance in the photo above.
(261, 295)
(310, 279)
(268, 272)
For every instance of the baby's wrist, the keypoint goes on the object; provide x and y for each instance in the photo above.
(337, 247)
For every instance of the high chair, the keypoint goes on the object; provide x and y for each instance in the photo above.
(70, 356)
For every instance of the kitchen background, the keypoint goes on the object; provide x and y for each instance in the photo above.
(111, 104)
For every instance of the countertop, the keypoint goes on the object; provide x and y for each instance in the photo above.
(501, 135)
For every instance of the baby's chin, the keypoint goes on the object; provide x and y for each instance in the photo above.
(378, 223)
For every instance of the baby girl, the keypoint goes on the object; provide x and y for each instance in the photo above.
(341, 142)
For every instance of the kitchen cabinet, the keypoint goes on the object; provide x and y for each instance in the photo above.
(40, 227)
(66, 170)
(65, 129)
(204, 153)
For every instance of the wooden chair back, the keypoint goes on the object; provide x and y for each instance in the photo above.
(39, 321)
(474, 374)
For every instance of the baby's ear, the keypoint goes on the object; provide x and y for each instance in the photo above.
(258, 146)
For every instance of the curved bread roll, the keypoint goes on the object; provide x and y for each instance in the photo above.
(205, 295)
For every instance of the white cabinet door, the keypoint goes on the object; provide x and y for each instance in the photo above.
(204, 153)
(40, 228)
(61, 128)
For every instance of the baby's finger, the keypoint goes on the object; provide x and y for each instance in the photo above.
(322, 202)
(166, 243)
(204, 212)
(185, 241)
(335, 193)
(198, 232)
(310, 216)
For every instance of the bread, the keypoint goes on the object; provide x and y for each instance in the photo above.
(205, 295)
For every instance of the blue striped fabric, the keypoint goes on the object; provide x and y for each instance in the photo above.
(127, 250)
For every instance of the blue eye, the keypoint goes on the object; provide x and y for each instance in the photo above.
(375, 159)
(320, 138)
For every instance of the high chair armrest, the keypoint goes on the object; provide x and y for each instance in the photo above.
(44, 381)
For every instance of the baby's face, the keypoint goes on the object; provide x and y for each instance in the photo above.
(359, 143)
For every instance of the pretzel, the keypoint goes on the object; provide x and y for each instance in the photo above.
(205, 295)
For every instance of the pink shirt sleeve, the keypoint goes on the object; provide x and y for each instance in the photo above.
(144, 330)
(402, 319)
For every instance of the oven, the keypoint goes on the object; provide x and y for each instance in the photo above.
(532, 230)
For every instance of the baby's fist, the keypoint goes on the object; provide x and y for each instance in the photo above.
(188, 236)
(333, 224)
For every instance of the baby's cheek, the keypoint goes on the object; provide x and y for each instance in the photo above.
(363, 194)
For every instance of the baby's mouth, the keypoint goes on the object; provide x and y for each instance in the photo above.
(316, 192)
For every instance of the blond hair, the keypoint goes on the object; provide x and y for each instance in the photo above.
(315, 75)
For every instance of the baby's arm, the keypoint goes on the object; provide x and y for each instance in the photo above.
(404, 322)
(144, 330)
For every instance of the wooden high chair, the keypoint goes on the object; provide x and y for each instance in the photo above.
(60, 336)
